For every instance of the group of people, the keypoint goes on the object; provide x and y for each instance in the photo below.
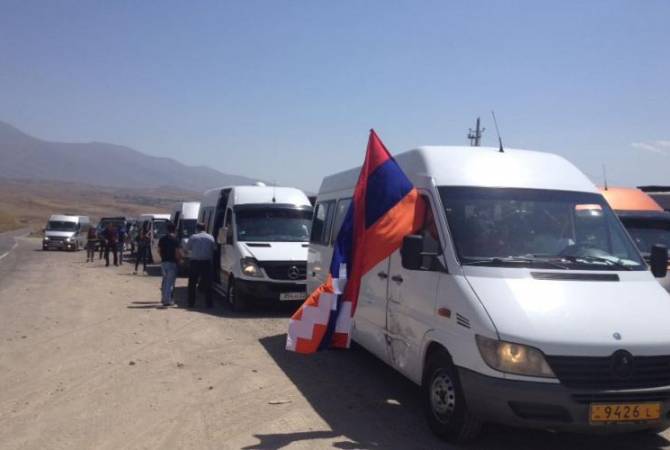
(200, 249)
(111, 239)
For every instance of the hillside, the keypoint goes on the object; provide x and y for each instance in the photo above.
(29, 203)
(96, 163)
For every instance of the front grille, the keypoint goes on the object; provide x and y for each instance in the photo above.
(586, 372)
(57, 238)
(285, 270)
(622, 397)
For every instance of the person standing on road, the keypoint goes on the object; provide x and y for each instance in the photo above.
(91, 242)
(110, 236)
(143, 242)
(200, 248)
(168, 246)
(121, 242)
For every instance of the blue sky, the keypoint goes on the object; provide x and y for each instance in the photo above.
(287, 90)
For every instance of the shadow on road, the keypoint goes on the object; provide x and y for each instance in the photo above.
(221, 307)
(373, 406)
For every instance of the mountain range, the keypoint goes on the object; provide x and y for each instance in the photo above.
(95, 163)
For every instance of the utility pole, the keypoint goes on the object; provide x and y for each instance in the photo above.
(476, 135)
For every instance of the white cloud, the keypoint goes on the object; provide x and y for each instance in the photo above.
(658, 147)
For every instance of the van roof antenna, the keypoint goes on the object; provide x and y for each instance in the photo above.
(605, 176)
(495, 122)
(274, 185)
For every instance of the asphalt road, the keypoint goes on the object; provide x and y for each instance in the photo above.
(87, 361)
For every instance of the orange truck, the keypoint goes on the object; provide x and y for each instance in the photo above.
(646, 221)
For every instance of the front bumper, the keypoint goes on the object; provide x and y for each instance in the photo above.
(266, 291)
(59, 245)
(553, 406)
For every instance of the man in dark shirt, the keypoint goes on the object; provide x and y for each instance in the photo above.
(168, 246)
(110, 237)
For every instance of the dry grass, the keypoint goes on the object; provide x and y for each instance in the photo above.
(8, 222)
(29, 203)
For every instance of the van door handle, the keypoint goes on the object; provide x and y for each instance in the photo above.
(397, 278)
(383, 275)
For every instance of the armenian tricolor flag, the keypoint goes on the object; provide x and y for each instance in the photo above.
(385, 208)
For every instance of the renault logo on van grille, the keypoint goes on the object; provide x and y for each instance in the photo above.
(622, 364)
(293, 273)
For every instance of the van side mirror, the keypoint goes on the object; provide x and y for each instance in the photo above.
(659, 260)
(410, 252)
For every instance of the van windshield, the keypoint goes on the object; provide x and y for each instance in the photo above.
(648, 232)
(160, 228)
(537, 228)
(188, 227)
(59, 225)
(273, 224)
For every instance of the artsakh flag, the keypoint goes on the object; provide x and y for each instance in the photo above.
(385, 208)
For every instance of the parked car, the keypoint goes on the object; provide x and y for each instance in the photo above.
(262, 235)
(66, 232)
(646, 221)
(523, 300)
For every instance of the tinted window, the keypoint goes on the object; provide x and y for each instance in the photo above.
(59, 225)
(323, 217)
(648, 232)
(575, 230)
(273, 224)
(340, 213)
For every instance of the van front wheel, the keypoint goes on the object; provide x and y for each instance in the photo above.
(237, 302)
(444, 402)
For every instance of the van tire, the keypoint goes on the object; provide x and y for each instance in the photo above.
(444, 403)
(237, 302)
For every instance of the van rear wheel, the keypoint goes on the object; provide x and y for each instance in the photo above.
(237, 302)
(444, 402)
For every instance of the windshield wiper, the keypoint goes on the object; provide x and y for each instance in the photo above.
(528, 260)
(589, 259)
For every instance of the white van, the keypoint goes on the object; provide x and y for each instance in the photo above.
(158, 226)
(521, 301)
(66, 232)
(262, 235)
(185, 218)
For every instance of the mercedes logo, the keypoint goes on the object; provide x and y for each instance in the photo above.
(617, 336)
(622, 364)
(293, 273)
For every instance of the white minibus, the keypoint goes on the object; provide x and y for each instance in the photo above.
(521, 301)
(185, 217)
(158, 226)
(66, 232)
(262, 235)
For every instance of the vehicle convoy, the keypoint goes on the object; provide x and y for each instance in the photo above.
(66, 232)
(185, 218)
(262, 236)
(158, 227)
(646, 221)
(522, 300)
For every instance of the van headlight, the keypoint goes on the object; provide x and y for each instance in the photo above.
(250, 268)
(69, 239)
(46, 238)
(513, 358)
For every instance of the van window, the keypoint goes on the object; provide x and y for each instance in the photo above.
(273, 224)
(537, 227)
(59, 225)
(340, 213)
(323, 217)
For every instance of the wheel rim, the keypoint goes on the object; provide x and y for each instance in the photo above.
(442, 396)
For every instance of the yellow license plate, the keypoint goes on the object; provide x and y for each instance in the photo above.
(625, 412)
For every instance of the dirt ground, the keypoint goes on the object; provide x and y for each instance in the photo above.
(87, 361)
